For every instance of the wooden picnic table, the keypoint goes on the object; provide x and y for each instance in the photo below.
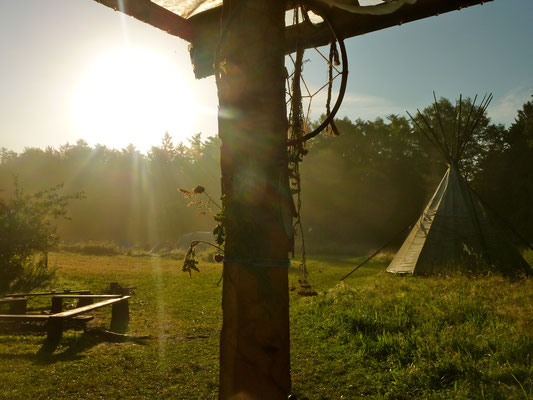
(120, 316)
(55, 320)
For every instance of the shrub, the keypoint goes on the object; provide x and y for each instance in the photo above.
(27, 233)
(91, 248)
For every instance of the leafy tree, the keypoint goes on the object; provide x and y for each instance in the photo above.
(370, 178)
(372, 181)
(506, 176)
(27, 233)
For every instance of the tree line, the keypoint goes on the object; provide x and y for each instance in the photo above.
(359, 189)
(129, 198)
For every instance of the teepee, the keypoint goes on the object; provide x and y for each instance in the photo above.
(456, 231)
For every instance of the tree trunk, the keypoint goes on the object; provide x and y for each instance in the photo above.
(254, 345)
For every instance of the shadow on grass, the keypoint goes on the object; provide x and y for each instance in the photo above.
(336, 259)
(72, 352)
(71, 348)
(45, 355)
(11, 329)
(90, 338)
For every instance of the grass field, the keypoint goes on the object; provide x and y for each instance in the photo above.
(377, 336)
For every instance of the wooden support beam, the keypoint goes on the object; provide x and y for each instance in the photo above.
(254, 343)
(153, 14)
(350, 25)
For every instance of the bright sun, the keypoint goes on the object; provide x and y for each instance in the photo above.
(133, 96)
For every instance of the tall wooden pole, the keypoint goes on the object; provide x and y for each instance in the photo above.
(254, 345)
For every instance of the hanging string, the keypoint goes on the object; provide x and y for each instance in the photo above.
(298, 90)
(331, 129)
(297, 127)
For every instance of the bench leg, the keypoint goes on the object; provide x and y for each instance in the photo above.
(18, 307)
(120, 317)
(55, 332)
(57, 305)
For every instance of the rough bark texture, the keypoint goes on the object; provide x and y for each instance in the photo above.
(254, 349)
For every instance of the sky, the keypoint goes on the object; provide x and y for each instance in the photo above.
(74, 69)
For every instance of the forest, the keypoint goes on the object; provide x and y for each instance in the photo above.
(373, 181)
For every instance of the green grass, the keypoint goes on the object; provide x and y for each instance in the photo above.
(377, 336)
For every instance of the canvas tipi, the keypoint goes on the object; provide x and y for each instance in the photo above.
(456, 231)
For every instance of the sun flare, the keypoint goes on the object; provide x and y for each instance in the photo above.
(134, 96)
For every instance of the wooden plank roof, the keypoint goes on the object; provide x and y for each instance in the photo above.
(203, 28)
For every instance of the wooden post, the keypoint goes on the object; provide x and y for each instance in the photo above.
(120, 317)
(55, 332)
(57, 305)
(254, 345)
(18, 306)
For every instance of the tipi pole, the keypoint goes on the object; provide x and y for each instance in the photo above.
(479, 114)
(254, 343)
(444, 140)
(457, 131)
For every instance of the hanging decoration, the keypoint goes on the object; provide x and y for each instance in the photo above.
(298, 90)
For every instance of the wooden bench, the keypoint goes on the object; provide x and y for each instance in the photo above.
(56, 321)
(119, 317)
(83, 300)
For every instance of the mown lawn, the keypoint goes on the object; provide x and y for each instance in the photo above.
(376, 336)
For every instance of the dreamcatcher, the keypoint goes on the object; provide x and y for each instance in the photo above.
(301, 98)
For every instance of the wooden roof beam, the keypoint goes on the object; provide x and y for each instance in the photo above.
(350, 25)
(203, 29)
(153, 14)
(207, 28)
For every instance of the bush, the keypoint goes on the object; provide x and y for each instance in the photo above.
(91, 248)
(27, 233)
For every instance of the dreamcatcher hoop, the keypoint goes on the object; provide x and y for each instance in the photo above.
(342, 89)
